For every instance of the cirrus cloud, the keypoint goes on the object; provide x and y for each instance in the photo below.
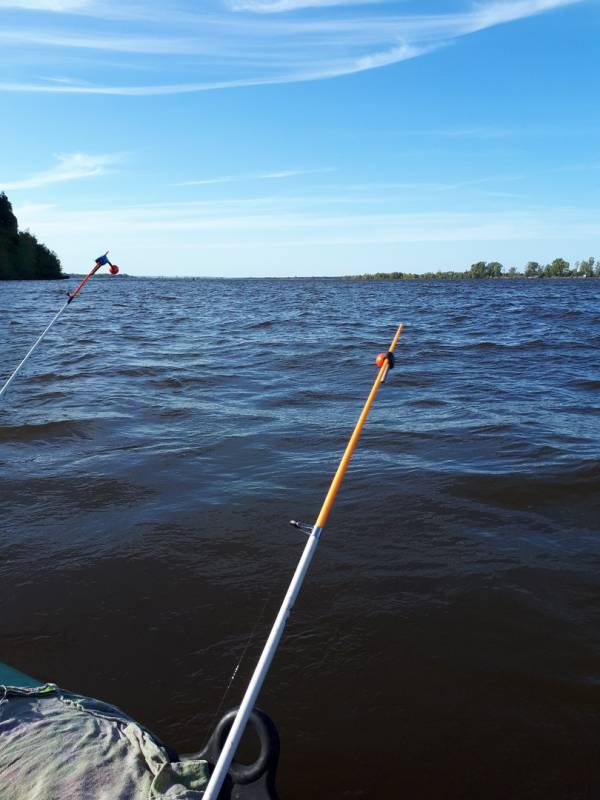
(71, 167)
(230, 43)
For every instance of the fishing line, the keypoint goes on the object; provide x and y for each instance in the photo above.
(100, 261)
(249, 640)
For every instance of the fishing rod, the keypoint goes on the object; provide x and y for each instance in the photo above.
(100, 262)
(385, 362)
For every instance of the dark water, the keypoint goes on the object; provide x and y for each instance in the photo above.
(447, 641)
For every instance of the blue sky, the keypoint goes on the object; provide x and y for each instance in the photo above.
(302, 137)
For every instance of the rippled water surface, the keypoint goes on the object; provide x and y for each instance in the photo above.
(447, 641)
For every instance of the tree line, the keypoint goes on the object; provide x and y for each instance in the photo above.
(22, 257)
(559, 268)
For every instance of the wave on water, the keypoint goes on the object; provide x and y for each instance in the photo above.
(591, 385)
(542, 488)
(48, 431)
(258, 326)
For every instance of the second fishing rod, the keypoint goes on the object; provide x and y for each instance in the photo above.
(99, 262)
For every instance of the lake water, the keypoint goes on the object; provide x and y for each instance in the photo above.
(446, 643)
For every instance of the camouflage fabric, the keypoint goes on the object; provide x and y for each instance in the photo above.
(55, 745)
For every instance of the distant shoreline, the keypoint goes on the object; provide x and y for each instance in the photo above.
(349, 278)
(481, 270)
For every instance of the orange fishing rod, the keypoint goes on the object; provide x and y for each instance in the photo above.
(385, 362)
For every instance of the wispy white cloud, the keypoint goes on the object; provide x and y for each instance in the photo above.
(277, 6)
(71, 167)
(151, 45)
(279, 223)
(496, 13)
(220, 47)
(255, 176)
(56, 6)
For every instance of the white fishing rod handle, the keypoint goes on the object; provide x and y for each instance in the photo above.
(260, 673)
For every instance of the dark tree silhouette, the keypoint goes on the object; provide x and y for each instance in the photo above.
(8, 222)
(22, 257)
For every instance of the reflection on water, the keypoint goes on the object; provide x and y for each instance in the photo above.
(446, 643)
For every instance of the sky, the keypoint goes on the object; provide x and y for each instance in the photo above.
(302, 137)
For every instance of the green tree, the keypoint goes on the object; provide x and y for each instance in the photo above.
(586, 267)
(21, 255)
(6, 266)
(559, 268)
(533, 269)
(48, 263)
(494, 269)
(26, 256)
(8, 222)
(478, 270)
